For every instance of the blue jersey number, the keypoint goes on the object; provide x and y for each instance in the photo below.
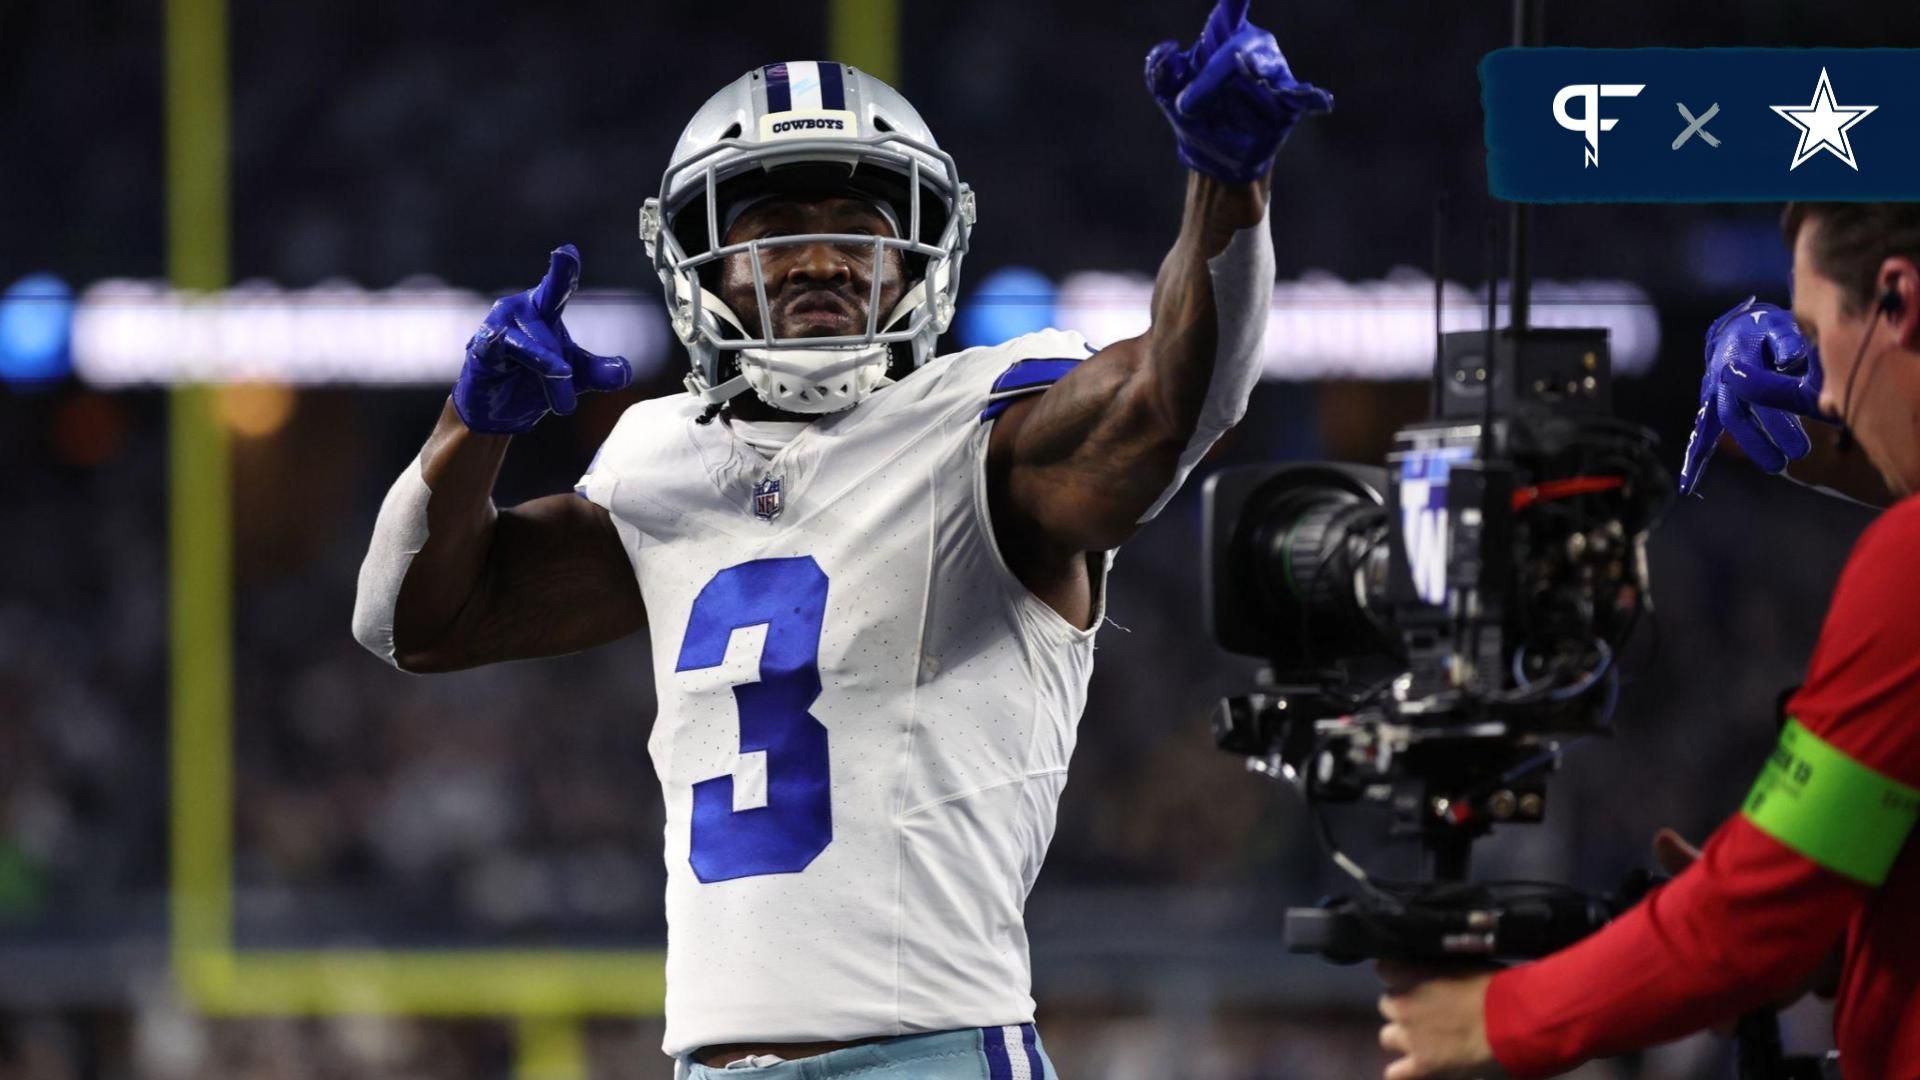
(789, 596)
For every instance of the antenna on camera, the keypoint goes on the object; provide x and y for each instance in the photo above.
(1491, 364)
(1436, 385)
(1526, 31)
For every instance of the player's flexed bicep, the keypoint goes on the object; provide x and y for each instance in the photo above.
(1073, 468)
(1084, 465)
(450, 581)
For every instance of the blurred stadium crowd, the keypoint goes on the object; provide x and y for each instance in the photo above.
(516, 806)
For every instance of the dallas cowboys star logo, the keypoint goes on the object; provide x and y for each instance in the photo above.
(1823, 125)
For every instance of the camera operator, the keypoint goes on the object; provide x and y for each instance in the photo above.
(1820, 855)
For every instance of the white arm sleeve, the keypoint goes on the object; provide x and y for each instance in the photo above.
(398, 535)
(1242, 300)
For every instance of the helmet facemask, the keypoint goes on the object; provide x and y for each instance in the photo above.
(684, 230)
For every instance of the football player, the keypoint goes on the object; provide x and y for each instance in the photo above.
(872, 575)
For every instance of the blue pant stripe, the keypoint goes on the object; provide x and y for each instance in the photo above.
(1027, 1037)
(995, 1044)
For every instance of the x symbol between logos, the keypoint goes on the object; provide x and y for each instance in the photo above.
(1696, 127)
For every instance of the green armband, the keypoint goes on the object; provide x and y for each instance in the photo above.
(1830, 808)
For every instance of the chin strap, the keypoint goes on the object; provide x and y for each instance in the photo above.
(715, 395)
(830, 361)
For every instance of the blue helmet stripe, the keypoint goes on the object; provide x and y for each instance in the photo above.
(779, 93)
(832, 94)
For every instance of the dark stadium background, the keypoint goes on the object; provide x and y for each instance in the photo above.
(516, 807)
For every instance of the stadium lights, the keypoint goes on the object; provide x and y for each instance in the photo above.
(1322, 327)
(134, 333)
(35, 316)
(255, 410)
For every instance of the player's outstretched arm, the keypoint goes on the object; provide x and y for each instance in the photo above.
(1080, 467)
(452, 582)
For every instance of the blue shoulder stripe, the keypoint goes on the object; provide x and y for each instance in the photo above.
(1026, 374)
(1023, 378)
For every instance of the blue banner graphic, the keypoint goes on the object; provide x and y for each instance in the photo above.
(1702, 125)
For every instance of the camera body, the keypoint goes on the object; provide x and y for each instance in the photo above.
(1435, 629)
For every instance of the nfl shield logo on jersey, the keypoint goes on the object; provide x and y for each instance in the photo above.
(766, 498)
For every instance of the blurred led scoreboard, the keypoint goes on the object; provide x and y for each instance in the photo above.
(131, 333)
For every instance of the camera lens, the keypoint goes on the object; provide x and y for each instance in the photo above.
(1314, 551)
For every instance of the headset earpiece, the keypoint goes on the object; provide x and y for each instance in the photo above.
(1889, 305)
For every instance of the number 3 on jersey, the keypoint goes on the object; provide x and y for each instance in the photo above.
(788, 596)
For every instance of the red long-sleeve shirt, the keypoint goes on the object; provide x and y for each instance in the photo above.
(1754, 917)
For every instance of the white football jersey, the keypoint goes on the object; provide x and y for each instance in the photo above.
(865, 719)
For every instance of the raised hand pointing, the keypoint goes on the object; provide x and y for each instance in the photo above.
(522, 364)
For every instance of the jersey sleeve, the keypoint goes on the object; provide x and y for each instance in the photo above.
(1023, 378)
(983, 382)
(634, 440)
(1777, 884)
(598, 484)
(1862, 694)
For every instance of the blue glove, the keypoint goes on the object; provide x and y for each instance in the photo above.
(521, 363)
(1762, 376)
(1230, 98)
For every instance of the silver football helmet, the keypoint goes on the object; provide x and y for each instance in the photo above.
(802, 127)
